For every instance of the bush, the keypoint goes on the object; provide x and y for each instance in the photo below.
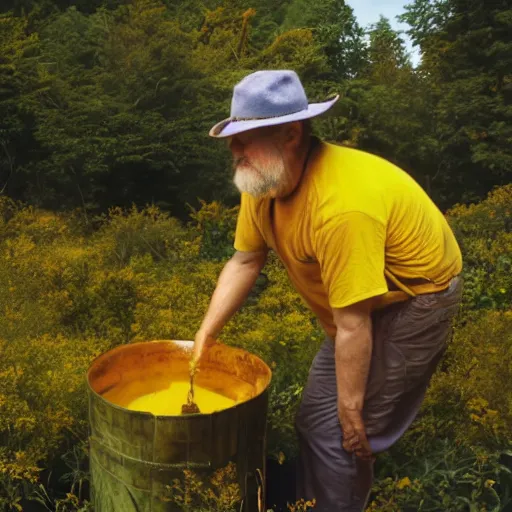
(43, 407)
(215, 227)
(484, 231)
(447, 478)
(193, 494)
(469, 401)
(124, 234)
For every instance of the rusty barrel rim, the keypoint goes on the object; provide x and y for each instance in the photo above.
(184, 346)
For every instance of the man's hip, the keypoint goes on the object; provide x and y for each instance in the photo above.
(409, 339)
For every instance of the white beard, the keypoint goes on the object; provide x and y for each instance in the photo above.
(260, 179)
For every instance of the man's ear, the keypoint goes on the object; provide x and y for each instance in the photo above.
(292, 134)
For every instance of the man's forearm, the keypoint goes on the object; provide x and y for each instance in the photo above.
(233, 286)
(353, 355)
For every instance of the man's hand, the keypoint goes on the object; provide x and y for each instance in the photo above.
(353, 350)
(201, 342)
(235, 282)
(354, 435)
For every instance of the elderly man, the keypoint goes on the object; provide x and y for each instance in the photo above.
(372, 256)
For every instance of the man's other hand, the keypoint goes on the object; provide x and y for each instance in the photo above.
(354, 434)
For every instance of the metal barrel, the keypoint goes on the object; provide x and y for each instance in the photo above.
(135, 456)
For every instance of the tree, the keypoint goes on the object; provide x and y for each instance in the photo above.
(467, 59)
(127, 99)
(337, 31)
(109, 102)
(19, 79)
(48, 7)
(425, 18)
(387, 55)
(393, 106)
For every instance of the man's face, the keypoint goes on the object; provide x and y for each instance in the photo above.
(258, 162)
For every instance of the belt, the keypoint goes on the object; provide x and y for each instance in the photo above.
(393, 283)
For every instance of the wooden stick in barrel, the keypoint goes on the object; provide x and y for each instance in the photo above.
(191, 407)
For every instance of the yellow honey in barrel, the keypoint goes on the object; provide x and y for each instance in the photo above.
(165, 400)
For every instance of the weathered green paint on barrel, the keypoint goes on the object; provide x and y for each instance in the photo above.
(134, 455)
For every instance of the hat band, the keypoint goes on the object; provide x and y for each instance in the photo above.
(239, 118)
(223, 124)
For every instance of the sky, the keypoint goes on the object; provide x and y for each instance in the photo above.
(369, 11)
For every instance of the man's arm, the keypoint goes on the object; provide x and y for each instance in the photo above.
(353, 350)
(233, 286)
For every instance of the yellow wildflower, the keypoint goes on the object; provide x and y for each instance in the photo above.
(403, 483)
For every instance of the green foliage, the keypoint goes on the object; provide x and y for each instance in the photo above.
(468, 404)
(109, 103)
(121, 101)
(105, 109)
(134, 232)
(42, 404)
(139, 275)
(215, 226)
(281, 425)
(425, 18)
(387, 49)
(72, 287)
(447, 478)
(466, 54)
(18, 79)
(485, 234)
(222, 494)
(336, 29)
(468, 401)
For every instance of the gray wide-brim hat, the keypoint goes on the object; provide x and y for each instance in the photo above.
(269, 98)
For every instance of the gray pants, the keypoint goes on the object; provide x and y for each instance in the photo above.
(409, 340)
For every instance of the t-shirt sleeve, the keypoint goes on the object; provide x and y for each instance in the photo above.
(350, 248)
(248, 236)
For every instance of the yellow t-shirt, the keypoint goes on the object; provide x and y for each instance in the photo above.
(355, 225)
